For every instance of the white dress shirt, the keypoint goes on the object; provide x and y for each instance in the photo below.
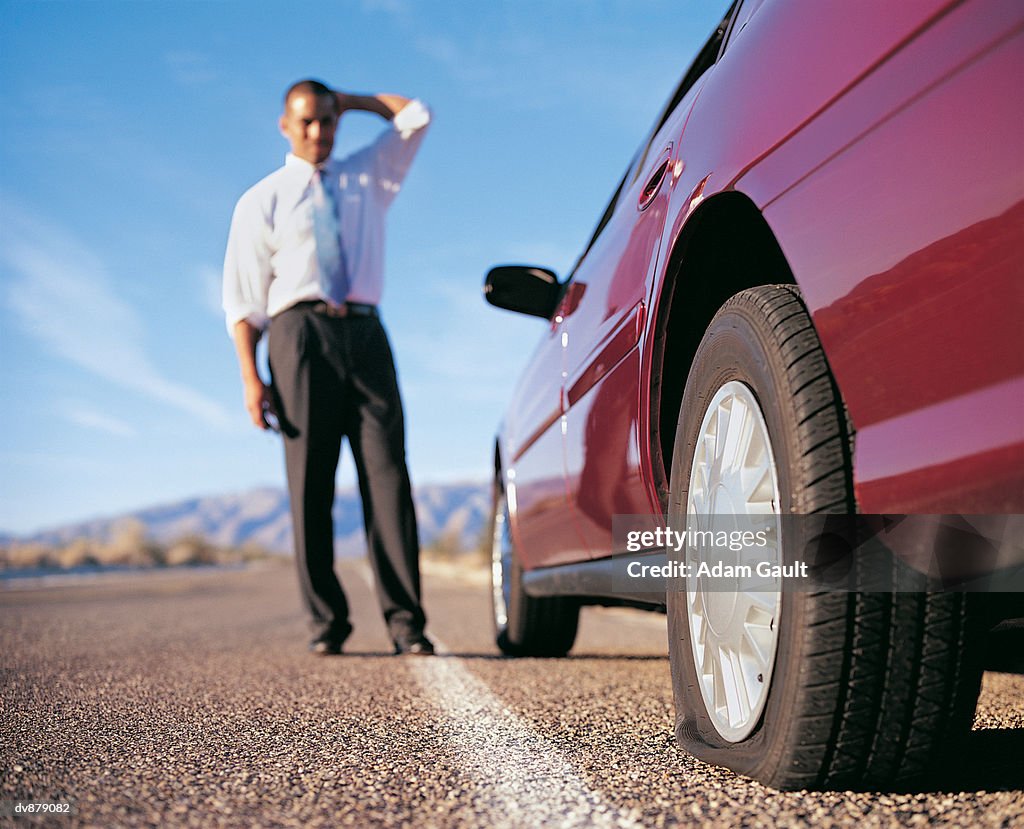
(271, 260)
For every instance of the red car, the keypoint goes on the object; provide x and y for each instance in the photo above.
(806, 296)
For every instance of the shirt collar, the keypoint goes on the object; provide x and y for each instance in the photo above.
(293, 162)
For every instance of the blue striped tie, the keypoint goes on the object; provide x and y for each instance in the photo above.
(330, 256)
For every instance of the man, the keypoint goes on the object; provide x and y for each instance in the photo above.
(305, 259)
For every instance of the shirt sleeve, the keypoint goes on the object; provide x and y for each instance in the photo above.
(394, 151)
(247, 266)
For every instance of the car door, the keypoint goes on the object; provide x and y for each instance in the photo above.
(605, 417)
(541, 522)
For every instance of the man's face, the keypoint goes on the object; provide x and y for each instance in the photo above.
(309, 122)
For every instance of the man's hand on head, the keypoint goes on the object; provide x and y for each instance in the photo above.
(344, 101)
(383, 104)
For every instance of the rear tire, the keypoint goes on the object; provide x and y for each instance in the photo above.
(524, 625)
(865, 688)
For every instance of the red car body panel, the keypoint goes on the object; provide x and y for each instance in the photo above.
(884, 147)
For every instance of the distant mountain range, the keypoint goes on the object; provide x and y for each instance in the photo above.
(456, 512)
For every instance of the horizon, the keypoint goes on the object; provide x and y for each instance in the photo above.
(351, 490)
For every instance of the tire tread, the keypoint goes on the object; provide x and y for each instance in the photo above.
(885, 681)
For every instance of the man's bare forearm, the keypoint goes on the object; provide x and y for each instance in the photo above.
(256, 394)
(246, 336)
(384, 104)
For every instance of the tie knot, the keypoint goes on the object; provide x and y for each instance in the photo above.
(322, 187)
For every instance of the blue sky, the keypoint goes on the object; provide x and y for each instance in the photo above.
(129, 131)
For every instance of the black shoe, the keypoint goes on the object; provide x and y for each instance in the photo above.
(416, 645)
(329, 643)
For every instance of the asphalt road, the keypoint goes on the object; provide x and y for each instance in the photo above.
(188, 700)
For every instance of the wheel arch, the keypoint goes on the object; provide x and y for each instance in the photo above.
(725, 247)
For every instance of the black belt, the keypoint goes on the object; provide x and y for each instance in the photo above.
(329, 309)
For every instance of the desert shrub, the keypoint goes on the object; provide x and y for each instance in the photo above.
(254, 551)
(190, 549)
(30, 554)
(129, 545)
(78, 552)
(445, 547)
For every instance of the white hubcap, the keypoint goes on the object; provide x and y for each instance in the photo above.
(733, 633)
(500, 561)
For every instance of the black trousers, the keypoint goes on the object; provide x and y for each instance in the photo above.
(333, 378)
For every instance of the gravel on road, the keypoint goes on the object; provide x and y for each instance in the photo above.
(189, 700)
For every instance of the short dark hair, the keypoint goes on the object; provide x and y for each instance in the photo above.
(308, 86)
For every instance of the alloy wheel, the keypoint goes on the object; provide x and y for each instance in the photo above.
(734, 622)
(501, 562)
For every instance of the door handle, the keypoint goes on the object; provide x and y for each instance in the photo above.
(653, 185)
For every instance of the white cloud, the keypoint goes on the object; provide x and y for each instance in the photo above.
(210, 279)
(593, 72)
(61, 294)
(91, 419)
(450, 343)
(472, 351)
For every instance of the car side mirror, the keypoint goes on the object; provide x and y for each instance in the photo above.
(524, 289)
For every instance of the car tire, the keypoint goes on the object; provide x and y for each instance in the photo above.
(524, 625)
(861, 688)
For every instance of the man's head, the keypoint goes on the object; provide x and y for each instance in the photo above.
(309, 120)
